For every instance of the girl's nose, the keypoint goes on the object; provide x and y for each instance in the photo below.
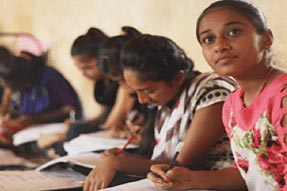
(221, 44)
(142, 97)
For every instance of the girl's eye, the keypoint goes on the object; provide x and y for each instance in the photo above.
(234, 32)
(207, 40)
(148, 91)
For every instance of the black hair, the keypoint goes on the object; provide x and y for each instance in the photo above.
(109, 54)
(155, 58)
(246, 9)
(88, 44)
(4, 54)
(20, 72)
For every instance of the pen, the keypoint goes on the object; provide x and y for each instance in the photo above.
(131, 138)
(177, 150)
(72, 116)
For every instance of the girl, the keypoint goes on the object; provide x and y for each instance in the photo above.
(85, 53)
(161, 74)
(109, 65)
(40, 93)
(236, 42)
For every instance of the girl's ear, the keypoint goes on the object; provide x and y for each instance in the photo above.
(179, 78)
(267, 38)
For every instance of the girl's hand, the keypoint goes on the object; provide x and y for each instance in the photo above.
(13, 125)
(158, 173)
(101, 176)
(178, 178)
(133, 128)
(119, 134)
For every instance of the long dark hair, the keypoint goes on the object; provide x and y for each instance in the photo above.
(19, 72)
(156, 58)
(88, 44)
(109, 54)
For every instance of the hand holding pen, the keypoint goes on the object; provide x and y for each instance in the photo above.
(130, 139)
(160, 172)
(177, 150)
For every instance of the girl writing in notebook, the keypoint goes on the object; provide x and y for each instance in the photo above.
(109, 64)
(236, 42)
(189, 107)
(40, 94)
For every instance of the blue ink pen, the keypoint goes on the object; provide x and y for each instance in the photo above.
(177, 150)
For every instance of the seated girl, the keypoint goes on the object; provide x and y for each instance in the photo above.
(127, 104)
(40, 94)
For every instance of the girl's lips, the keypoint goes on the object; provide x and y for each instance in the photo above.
(225, 59)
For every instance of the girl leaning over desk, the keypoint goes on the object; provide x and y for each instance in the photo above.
(40, 94)
(189, 107)
(84, 52)
(127, 102)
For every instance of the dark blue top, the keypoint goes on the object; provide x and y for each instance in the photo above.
(50, 92)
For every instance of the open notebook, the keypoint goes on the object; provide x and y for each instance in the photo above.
(87, 160)
(33, 132)
(94, 142)
(44, 178)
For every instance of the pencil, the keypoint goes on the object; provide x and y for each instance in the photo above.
(131, 138)
(177, 150)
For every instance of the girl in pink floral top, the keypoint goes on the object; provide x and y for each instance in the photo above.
(236, 42)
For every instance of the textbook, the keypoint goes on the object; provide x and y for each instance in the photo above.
(32, 133)
(94, 142)
(87, 160)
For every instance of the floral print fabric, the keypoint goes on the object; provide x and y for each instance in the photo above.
(258, 137)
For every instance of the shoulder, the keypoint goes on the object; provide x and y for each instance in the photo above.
(214, 80)
(48, 70)
(209, 88)
(49, 74)
(211, 82)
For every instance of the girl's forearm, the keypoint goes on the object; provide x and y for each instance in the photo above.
(226, 179)
(132, 164)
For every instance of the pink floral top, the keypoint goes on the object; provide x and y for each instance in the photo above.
(257, 136)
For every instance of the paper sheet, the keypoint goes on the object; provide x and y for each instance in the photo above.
(35, 180)
(94, 142)
(88, 160)
(32, 133)
(141, 185)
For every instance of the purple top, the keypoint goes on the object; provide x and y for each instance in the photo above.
(50, 92)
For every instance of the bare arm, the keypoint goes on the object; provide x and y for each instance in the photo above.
(124, 103)
(284, 121)
(6, 100)
(204, 131)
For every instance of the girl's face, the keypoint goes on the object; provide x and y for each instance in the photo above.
(88, 67)
(230, 43)
(158, 93)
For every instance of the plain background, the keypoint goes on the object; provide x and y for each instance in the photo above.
(58, 22)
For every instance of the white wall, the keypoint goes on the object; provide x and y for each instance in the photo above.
(59, 22)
